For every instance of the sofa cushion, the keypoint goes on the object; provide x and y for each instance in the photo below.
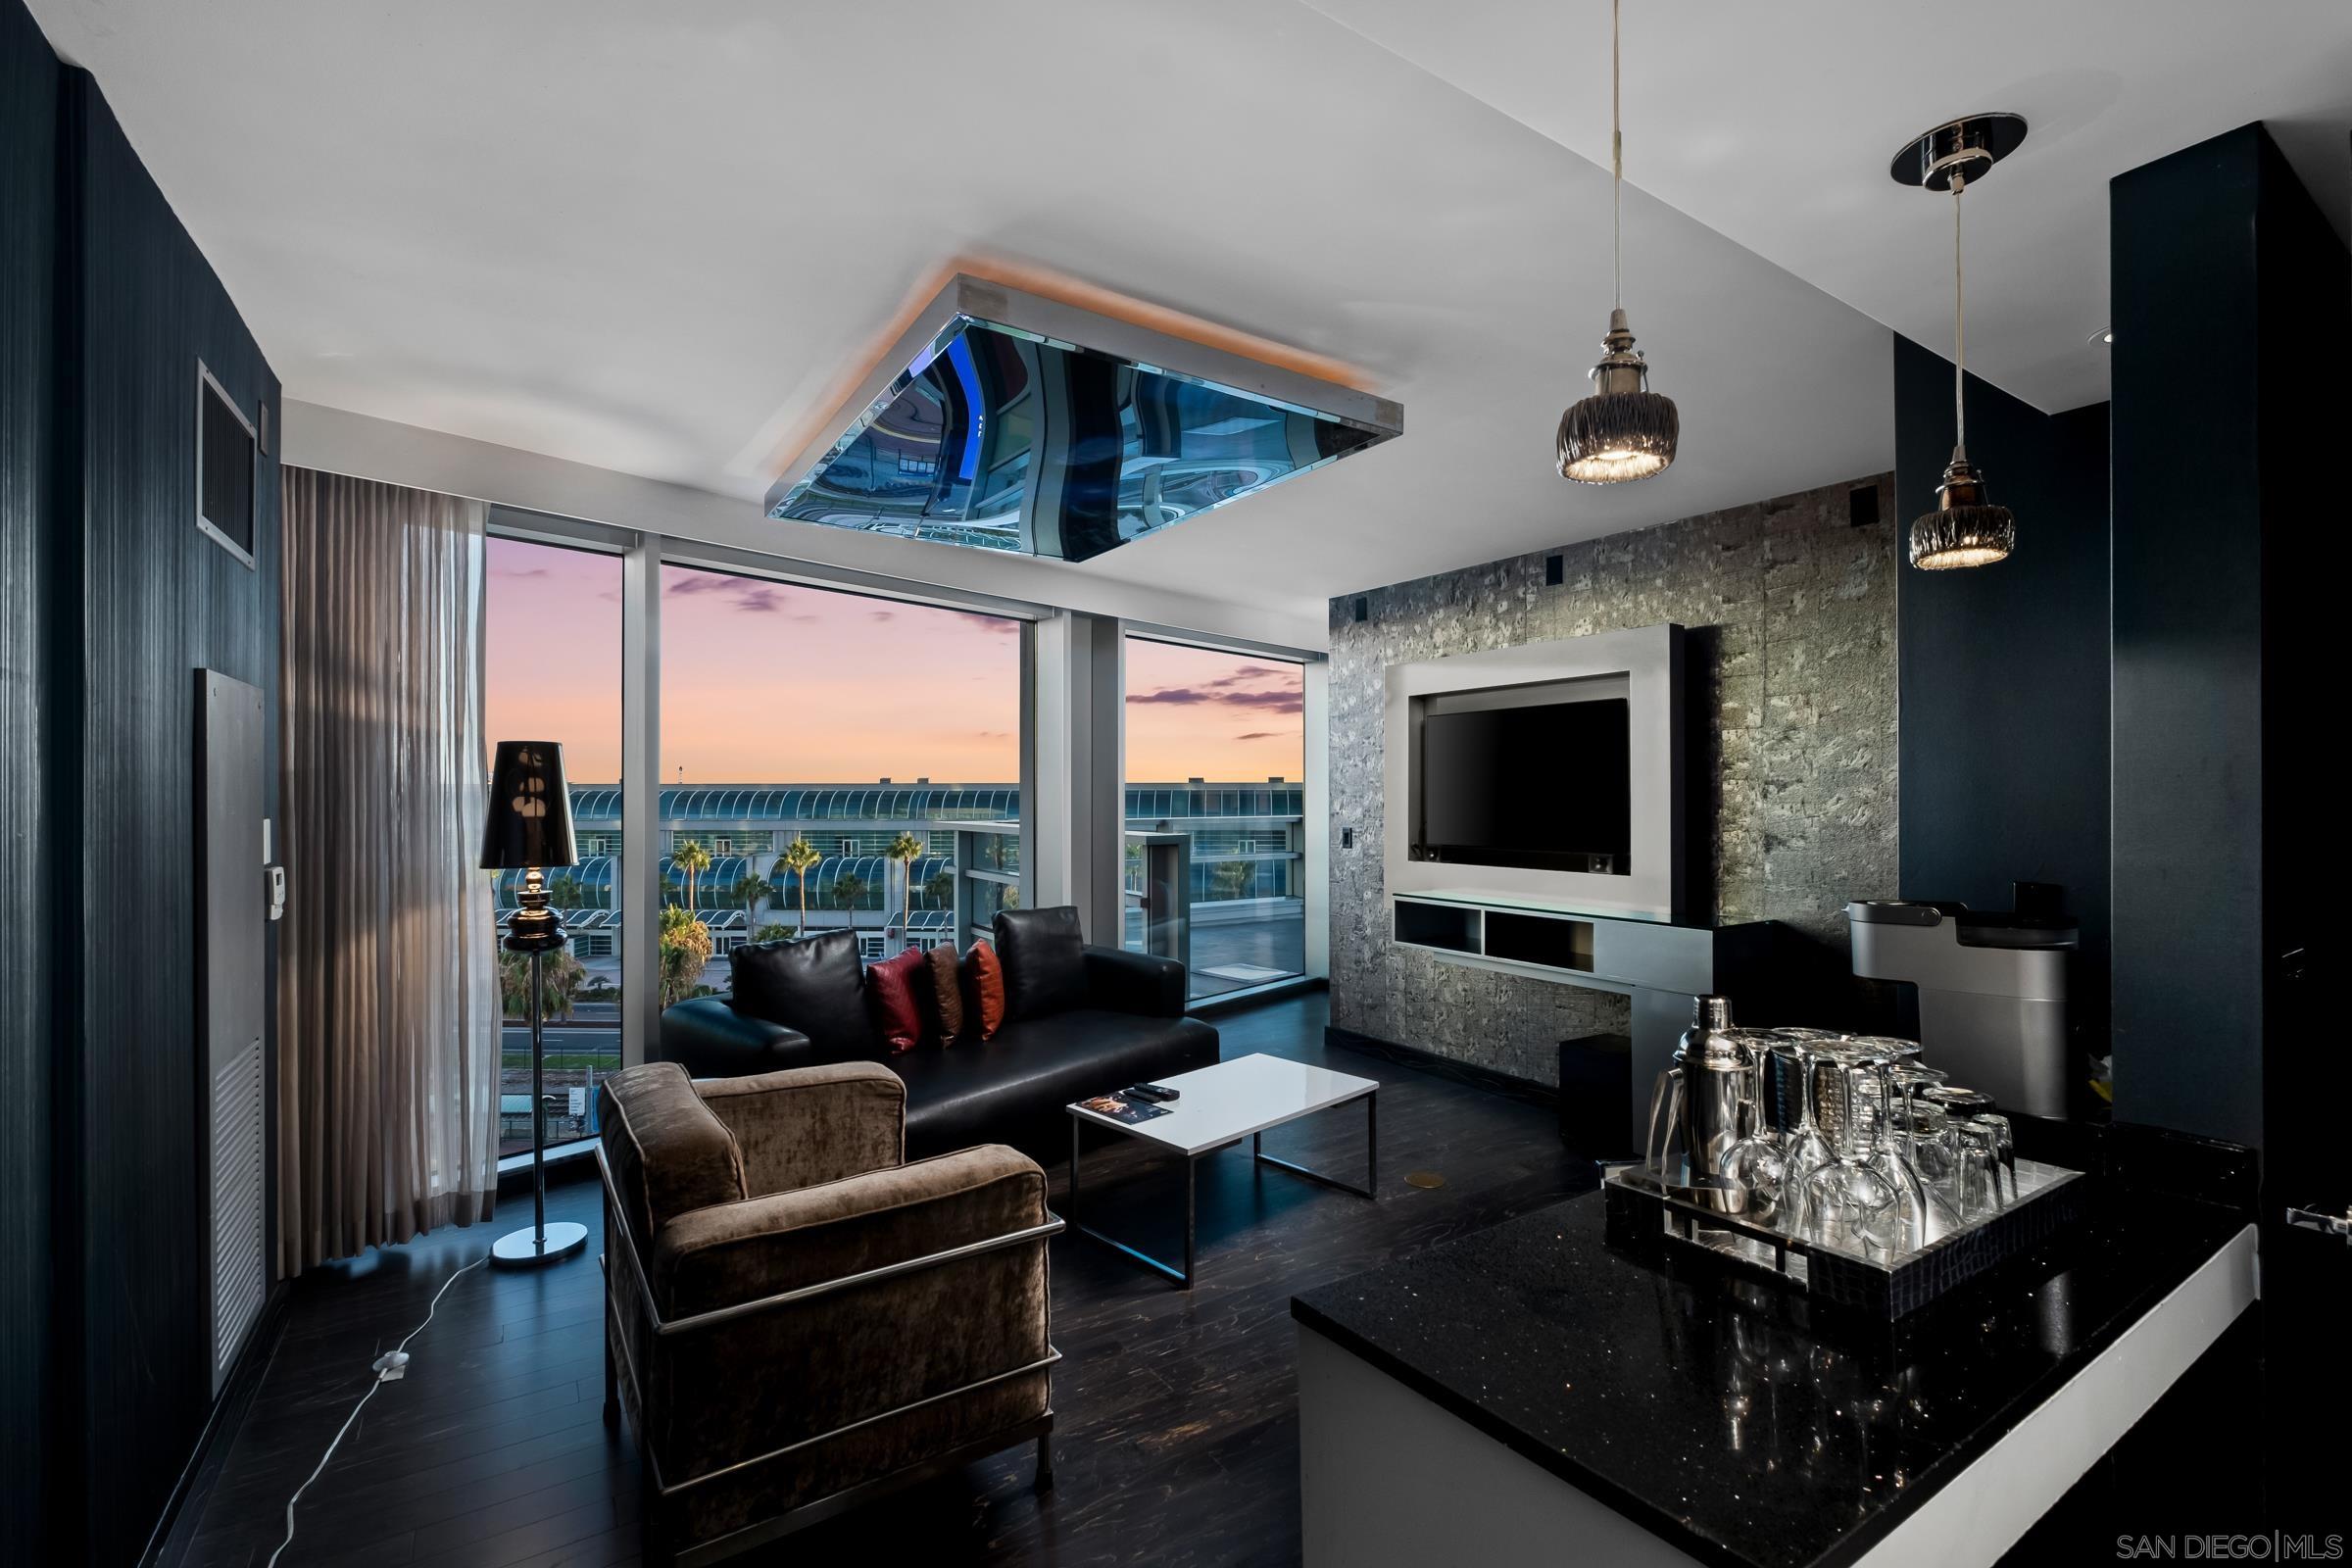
(1014, 1089)
(946, 992)
(1045, 961)
(815, 985)
(891, 984)
(669, 1152)
(983, 992)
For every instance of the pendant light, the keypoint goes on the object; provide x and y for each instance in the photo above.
(1965, 529)
(1623, 430)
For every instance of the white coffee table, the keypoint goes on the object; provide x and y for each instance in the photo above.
(1221, 1105)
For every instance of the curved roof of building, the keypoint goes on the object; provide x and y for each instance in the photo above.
(812, 803)
(920, 803)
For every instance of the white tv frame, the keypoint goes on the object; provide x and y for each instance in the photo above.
(1646, 666)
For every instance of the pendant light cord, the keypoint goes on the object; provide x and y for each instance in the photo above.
(1616, 168)
(1959, 329)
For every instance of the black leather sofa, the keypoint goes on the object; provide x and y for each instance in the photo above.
(1079, 1020)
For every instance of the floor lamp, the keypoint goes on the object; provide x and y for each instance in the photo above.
(528, 830)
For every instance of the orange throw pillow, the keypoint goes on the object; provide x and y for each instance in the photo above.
(946, 992)
(891, 983)
(984, 980)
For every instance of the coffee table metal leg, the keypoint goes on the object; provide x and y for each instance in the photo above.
(1371, 1157)
(1183, 1276)
(1192, 1187)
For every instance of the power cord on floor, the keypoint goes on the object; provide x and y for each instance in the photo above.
(389, 1368)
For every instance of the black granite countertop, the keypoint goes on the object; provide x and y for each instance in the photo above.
(1721, 1411)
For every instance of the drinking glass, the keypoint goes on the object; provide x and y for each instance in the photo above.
(1757, 1161)
(1977, 1173)
(1846, 1198)
(1803, 1148)
(1956, 1100)
(2004, 1148)
(1910, 1077)
(1919, 1159)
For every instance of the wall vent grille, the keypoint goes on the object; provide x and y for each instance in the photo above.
(238, 1263)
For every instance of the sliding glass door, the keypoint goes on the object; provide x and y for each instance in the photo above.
(830, 760)
(551, 670)
(1217, 759)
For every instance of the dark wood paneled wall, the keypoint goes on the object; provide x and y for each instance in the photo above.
(28, 104)
(161, 601)
(110, 601)
(2004, 673)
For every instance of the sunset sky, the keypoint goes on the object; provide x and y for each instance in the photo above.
(1195, 713)
(768, 682)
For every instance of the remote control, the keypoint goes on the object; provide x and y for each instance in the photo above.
(1153, 1092)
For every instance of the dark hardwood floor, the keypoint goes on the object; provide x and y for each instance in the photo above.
(1176, 1432)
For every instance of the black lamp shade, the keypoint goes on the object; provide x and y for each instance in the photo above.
(530, 809)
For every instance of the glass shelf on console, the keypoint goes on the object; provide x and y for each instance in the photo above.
(1475, 899)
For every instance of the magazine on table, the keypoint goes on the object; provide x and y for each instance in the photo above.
(1120, 1109)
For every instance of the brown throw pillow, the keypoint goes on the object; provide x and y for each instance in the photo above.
(946, 992)
(983, 999)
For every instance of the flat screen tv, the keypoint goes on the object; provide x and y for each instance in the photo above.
(1548, 786)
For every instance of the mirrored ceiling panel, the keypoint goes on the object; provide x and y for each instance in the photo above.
(1000, 438)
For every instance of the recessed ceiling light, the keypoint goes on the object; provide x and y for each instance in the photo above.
(2103, 336)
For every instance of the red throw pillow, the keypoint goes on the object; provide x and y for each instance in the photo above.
(984, 985)
(891, 983)
(946, 992)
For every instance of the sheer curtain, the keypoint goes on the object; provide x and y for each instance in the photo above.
(388, 1010)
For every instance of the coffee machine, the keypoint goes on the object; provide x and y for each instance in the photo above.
(1991, 987)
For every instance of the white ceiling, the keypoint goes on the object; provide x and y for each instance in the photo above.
(1775, 124)
(649, 238)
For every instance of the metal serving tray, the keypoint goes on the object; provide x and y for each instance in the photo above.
(1882, 1283)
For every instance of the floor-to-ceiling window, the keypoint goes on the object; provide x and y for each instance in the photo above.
(551, 670)
(1216, 754)
(823, 756)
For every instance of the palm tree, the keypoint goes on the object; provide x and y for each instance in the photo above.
(566, 891)
(904, 850)
(685, 947)
(940, 887)
(560, 978)
(800, 858)
(748, 889)
(848, 888)
(774, 931)
(693, 860)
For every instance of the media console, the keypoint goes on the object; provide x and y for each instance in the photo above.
(1662, 965)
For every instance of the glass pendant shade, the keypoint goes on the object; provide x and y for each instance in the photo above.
(1965, 529)
(1624, 431)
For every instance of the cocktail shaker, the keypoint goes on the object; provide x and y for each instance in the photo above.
(1703, 1098)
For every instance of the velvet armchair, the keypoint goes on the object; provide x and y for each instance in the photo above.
(799, 1321)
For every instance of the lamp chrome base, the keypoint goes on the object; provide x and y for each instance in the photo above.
(527, 1248)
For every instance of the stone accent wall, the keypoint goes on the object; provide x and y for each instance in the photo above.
(1789, 614)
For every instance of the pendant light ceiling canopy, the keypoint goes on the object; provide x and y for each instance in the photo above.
(1623, 430)
(1966, 529)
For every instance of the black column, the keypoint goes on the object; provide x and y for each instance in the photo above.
(2232, 316)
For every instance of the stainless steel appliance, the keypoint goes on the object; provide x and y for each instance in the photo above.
(1992, 988)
